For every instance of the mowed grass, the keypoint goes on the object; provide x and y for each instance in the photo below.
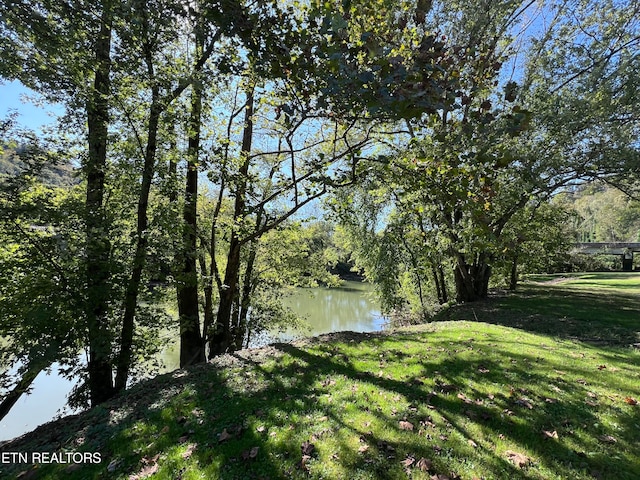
(451, 399)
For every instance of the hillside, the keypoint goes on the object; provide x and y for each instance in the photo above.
(56, 175)
(532, 394)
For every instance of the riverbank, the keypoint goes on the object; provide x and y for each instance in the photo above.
(324, 310)
(453, 399)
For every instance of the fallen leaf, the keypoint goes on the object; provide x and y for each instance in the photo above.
(146, 471)
(631, 400)
(28, 474)
(307, 448)
(363, 448)
(224, 436)
(404, 425)
(165, 429)
(601, 367)
(189, 451)
(304, 463)
(518, 459)
(523, 402)
(472, 443)
(446, 388)
(147, 461)
(407, 462)
(440, 476)
(250, 454)
(424, 464)
(548, 434)
(428, 423)
(607, 439)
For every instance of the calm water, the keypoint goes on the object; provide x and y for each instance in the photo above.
(326, 310)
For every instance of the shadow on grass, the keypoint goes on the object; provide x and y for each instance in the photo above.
(594, 316)
(207, 421)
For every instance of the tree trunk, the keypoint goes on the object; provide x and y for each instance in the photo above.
(443, 284)
(472, 281)
(97, 271)
(436, 280)
(221, 338)
(140, 254)
(191, 345)
(245, 297)
(513, 280)
(21, 387)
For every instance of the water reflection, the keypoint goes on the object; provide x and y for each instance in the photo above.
(336, 309)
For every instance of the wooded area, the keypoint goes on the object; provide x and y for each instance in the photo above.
(449, 142)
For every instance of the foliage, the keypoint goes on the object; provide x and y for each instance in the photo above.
(603, 214)
(470, 178)
(39, 263)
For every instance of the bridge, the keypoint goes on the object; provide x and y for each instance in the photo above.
(624, 249)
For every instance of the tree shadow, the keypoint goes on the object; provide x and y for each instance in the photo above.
(217, 416)
(599, 318)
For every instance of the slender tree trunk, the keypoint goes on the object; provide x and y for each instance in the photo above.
(245, 297)
(443, 284)
(21, 387)
(213, 270)
(191, 344)
(97, 235)
(513, 280)
(140, 254)
(221, 337)
(436, 280)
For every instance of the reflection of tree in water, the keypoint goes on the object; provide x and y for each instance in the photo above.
(337, 309)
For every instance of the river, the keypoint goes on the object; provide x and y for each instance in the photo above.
(325, 309)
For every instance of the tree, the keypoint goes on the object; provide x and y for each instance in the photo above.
(40, 274)
(470, 171)
(45, 37)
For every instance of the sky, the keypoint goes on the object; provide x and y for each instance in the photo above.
(13, 99)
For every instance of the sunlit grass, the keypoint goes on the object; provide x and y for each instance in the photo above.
(462, 399)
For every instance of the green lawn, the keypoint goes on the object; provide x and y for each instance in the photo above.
(538, 385)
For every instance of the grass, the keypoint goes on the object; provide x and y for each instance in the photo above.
(541, 386)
